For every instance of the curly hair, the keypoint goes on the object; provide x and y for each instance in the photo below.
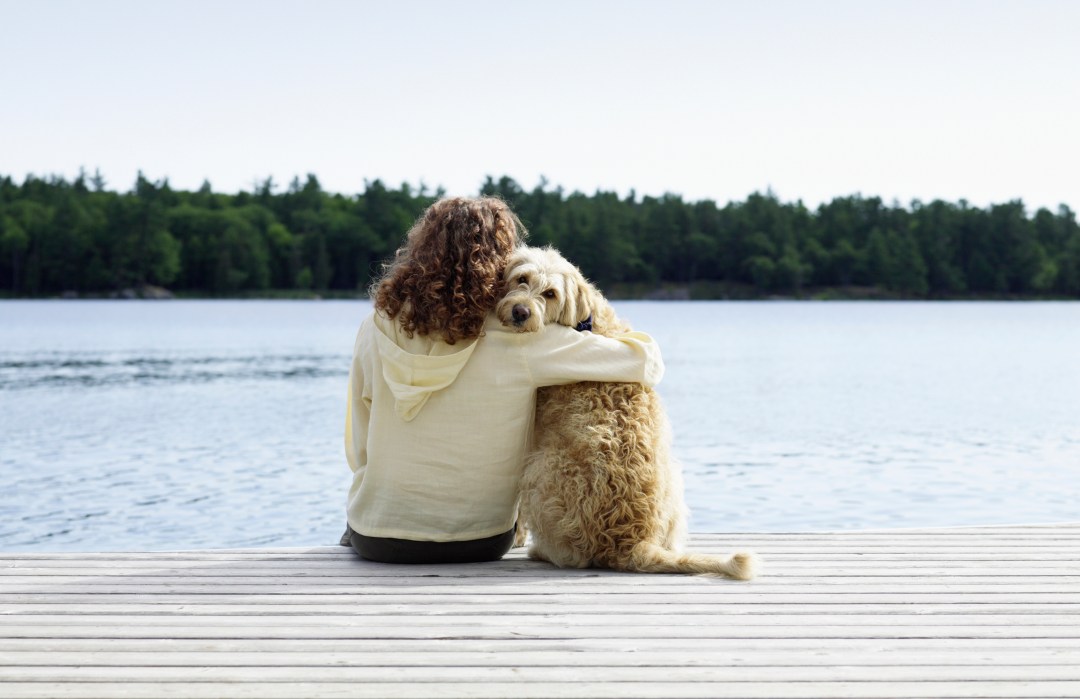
(447, 276)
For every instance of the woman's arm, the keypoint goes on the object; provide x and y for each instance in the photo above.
(558, 355)
(357, 413)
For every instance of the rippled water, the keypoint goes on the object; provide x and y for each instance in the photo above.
(151, 425)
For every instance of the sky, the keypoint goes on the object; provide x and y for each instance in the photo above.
(812, 99)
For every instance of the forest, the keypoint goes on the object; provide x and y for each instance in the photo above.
(79, 238)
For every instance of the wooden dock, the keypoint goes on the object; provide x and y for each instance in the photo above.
(979, 612)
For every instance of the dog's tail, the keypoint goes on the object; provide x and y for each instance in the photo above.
(651, 558)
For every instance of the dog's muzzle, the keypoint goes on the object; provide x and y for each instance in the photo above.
(520, 313)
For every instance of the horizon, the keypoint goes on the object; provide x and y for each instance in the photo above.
(547, 186)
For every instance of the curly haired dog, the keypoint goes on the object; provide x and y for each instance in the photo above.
(600, 488)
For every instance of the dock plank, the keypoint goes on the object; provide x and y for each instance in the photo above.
(958, 612)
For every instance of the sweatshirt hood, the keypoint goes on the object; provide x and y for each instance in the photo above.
(414, 377)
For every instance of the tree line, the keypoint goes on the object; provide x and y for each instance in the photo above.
(59, 236)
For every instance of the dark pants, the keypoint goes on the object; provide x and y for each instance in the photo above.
(385, 550)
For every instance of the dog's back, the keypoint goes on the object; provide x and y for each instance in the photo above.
(601, 488)
(604, 449)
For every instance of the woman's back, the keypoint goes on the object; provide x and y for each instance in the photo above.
(437, 433)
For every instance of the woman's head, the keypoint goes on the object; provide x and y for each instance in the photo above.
(447, 276)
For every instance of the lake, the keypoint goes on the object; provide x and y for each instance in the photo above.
(157, 425)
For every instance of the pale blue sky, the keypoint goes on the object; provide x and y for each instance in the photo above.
(944, 99)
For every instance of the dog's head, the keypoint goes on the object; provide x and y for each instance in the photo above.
(543, 287)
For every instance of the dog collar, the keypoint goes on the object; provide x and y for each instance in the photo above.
(584, 325)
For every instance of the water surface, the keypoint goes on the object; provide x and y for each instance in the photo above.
(153, 425)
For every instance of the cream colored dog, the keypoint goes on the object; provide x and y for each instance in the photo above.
(600, 489)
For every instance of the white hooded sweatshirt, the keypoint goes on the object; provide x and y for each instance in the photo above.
(436, 434)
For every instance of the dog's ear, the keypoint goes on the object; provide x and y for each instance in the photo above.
(577, 299)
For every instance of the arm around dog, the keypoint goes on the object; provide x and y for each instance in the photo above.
(560, 355)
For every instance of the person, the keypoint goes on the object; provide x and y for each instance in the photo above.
(441, 396)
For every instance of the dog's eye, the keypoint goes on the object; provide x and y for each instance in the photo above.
(549, 294)
(523, 280)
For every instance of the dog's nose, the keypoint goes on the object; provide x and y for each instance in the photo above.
(520, 313)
